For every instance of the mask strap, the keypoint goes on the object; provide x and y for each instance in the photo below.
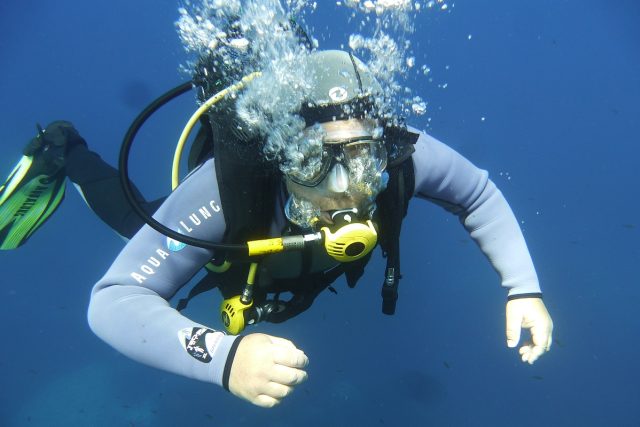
(355, 69)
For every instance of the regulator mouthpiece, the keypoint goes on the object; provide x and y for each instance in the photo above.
(351, 240)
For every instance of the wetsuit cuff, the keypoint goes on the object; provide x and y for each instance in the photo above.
(527, 295)
(229, 363)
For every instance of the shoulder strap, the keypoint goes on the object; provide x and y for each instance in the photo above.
(392, 205)
(248, 186)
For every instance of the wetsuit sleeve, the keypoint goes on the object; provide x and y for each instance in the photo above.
(129, 308)
(447, 178)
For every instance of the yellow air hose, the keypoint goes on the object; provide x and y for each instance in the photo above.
(175, 170)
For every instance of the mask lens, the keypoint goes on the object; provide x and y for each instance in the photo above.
(371, 151)
(312, 170)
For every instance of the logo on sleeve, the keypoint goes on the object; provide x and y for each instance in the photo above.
(199, 342)
(185, 226)
(174, 246)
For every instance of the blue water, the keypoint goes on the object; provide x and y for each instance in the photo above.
(558, 85)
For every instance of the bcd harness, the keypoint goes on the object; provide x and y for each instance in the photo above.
(248, 193)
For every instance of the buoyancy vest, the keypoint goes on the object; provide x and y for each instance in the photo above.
(248, 194)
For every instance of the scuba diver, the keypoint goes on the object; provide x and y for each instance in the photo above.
(307, 218)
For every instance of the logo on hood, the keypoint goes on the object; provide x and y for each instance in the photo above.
(338, 94)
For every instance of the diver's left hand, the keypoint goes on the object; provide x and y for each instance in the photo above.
(529, 313)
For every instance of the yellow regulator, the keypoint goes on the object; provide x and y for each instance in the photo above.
(233, 312)
(351, 241)
(236, 311)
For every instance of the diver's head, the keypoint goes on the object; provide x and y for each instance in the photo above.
(346, 172)
(340, 162)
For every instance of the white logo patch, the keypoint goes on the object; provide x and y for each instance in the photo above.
(338, 94)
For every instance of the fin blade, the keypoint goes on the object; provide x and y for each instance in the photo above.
(27, 200)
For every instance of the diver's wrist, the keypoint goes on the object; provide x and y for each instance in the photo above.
(525, 295)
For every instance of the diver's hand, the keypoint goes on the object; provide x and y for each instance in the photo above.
(265, 369)
(529, 313)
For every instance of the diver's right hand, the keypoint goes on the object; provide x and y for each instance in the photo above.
(265, 369)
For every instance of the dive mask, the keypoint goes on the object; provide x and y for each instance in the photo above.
(358, 154)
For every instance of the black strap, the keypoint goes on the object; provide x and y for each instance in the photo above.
(398, 193)
(392, 270)
(302, 299)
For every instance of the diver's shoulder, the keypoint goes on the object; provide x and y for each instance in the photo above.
(200, 181)
(423, 136)
(205, 171)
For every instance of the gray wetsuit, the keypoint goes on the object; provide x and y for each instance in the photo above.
(129, 306)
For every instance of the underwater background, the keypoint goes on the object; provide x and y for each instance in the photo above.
(544, 95)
